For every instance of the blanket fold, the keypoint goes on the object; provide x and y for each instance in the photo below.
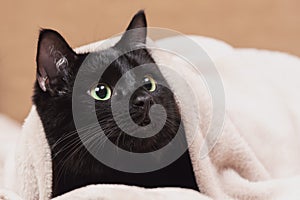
(254, 158)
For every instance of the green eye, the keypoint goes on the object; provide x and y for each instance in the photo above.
(149, 83)
(101, 92)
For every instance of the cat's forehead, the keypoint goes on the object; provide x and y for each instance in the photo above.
(113, 64)
(110, 58)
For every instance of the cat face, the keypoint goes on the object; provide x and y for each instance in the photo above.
(58, 66)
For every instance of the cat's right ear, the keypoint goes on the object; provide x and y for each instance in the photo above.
(136, 32)
(54, 59)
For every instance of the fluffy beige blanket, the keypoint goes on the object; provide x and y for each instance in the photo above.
(256, 155)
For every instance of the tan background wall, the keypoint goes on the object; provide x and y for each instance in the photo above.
(269, 24)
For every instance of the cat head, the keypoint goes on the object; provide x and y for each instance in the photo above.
(57, 71)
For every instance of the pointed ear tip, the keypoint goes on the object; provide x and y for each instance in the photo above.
(47, 36)
(141, 12)
(44, 31)
(139, 20)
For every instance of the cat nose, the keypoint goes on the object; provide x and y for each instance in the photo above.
(142, 100)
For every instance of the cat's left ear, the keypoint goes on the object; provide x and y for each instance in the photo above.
(54, 60)
(136, 32)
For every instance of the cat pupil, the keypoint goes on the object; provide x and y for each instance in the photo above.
(147, 83)
(101, 91)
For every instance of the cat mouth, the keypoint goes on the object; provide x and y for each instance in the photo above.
(141, 119)
(145, 138)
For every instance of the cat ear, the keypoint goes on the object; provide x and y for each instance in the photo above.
(136, 32)
(54, 58)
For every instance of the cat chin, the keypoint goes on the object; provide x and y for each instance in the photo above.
(134, 145)
(141, 145)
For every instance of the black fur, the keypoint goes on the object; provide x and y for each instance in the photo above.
(73, 165)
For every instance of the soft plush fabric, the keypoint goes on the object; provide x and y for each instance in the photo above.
(255, 158)
(9, 132)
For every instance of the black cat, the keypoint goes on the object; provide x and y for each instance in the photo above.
(73, 166)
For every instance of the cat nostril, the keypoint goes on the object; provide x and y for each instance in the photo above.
(143, 100)
(139, 101)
